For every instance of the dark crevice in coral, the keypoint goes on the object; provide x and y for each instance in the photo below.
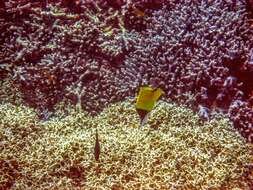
(243, 74)
(249, 8)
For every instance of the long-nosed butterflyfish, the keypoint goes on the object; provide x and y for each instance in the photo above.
(146, 101)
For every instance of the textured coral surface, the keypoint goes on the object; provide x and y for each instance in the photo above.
(93, 53)
(174, 150)
(62, 62)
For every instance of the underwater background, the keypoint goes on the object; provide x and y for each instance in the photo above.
(70, 73)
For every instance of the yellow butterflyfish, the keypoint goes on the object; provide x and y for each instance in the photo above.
(148, 97)
(146, 101)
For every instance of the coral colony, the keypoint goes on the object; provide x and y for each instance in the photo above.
(180, 152)
(70, 73)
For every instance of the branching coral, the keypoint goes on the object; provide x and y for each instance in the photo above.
(193, 49)
(174, 150)
(95, 42)
(94, 53)
(18, 129)
(9, 93)
(187, 45)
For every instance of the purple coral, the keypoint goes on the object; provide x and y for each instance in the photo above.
(242, 116)
(191, 48)
(250, 61)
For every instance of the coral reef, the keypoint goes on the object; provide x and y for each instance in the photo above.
(195, 52)
(174, 150)
(47, 70)
(93, 53)
(9, 93)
